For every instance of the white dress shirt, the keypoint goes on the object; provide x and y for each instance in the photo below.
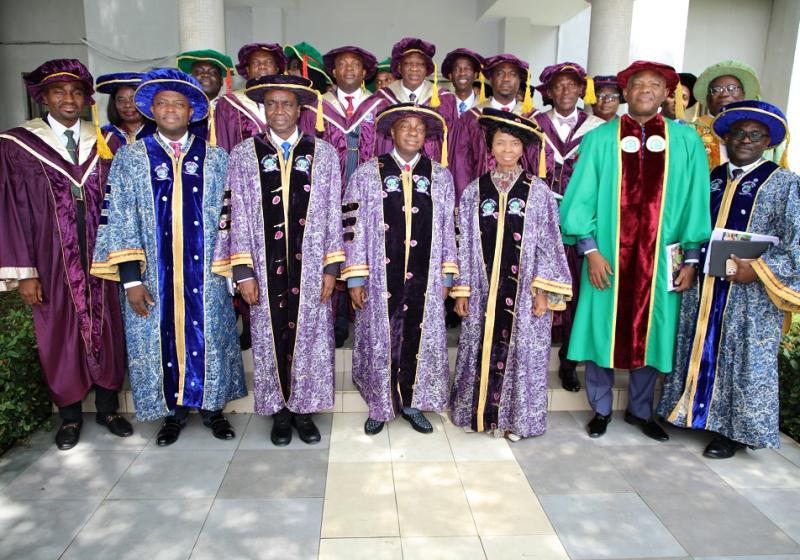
(499, 106)
(403, 162)
(357, 95)
(417, 92)
(59, 129)
(563, 129)
(183, 140)
(469, 102)
(277, 140)
(745, 169)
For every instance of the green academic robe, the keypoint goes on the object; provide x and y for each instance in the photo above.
(635, 190)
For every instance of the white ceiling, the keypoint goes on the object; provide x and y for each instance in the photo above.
(539, 12)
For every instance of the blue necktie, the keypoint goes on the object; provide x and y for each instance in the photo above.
(461, 108)
(286, 147)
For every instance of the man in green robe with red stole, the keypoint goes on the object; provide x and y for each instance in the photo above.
(640, 186)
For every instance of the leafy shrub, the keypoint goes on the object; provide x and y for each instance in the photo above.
(789, 368)
(24, 400)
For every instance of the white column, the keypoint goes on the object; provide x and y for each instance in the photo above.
(610, 36)
(201, 24)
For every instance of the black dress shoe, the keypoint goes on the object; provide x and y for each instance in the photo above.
(597, 425)
(306, 428)
(418, 421)
(650, 428)
(68, 435)
(281, 434)
(341, 338)
(373, 427)
(169, 432)
(569, 378)
(721, 448)
(220, 427)
(116, 424)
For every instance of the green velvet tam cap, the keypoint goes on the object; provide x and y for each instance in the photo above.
(739, 70)
(187, 59)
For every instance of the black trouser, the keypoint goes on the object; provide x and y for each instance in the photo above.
(182, 414)
(106, 402)
(566, 364)
(342, 324)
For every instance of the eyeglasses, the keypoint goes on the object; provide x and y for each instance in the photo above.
(753, 135)
(719, 90)
(607, 96)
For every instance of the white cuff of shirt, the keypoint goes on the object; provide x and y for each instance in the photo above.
(129, 285)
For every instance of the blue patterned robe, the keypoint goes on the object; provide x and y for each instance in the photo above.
(186, 352)
(726, 365)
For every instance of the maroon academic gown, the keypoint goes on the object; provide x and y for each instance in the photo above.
(448, 109)
(561, 157)
(237, 118)
(471, 156)
(338, 126)
(79, 326)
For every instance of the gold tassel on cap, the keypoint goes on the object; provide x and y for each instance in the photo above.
(542, 159)
(102, 147)
(443, 161)
(212, 127)
(320, 124)
(679, 112)
(435, 102)
(785, 155)
(527, 101)
(482, 96)
(589, 98)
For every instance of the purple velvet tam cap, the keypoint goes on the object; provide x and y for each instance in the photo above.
(274, 49)
(549, 73)
(494, 61)
(302, 87)
(367, 58)
(434, 123)
(59, 70)
(409, 45)
(452, 56)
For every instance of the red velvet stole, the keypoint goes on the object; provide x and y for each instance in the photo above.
(407, 288)
(284, 229)
(640, 196)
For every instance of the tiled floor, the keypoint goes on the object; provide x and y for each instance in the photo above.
(397, 495)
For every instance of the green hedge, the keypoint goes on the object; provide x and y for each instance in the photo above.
(24, 400)
(789, 361)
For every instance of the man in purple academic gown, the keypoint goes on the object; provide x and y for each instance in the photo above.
(462, 67)
(412, 62)
(505, 73)
(283, 248)
(401, 258)
(52, 184)
(564, 125)
(237, 117)
(349, 126)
